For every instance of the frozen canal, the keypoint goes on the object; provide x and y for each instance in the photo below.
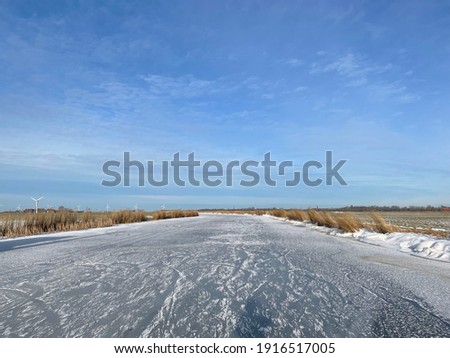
(217, 276)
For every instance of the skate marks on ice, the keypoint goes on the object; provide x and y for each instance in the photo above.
(215, 276)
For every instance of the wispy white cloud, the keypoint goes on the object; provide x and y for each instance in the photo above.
(183, 86)
(293, 62)
(352, 66)
(359, 71)
(392, 91)
(192, 87)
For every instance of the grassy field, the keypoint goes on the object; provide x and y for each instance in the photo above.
(23, 224)
(436, 220)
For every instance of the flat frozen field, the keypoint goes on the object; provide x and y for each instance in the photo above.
(437, 220)
(217, 276)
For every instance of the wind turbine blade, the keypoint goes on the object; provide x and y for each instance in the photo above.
(33, 198)
(41, 198)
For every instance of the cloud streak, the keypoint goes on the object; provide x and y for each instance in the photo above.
(358, 71)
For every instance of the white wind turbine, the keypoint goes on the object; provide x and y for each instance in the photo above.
(36, 201)
(136, 208)
(18, 208)
(107, 208)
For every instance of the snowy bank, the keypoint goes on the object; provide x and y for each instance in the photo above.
(425, 246)
(415, 244)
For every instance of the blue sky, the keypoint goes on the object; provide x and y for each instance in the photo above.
(83, 81)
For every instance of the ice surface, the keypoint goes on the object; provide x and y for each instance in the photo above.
(218, 276)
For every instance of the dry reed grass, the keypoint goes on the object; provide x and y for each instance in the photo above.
(348, 222)
(380, 225)
(280, 213)
(298, 215)
(23, 224)
(173, 214)
(316, 217)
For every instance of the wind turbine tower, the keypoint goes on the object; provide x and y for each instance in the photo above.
(36, 201)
